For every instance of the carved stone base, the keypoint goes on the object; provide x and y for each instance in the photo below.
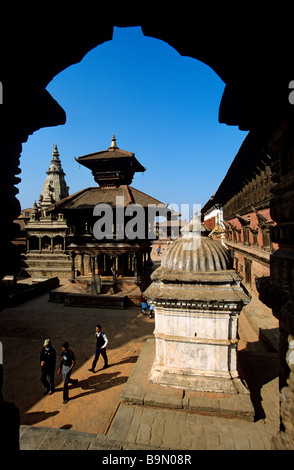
(201, 383)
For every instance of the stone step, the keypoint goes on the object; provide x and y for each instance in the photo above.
(36, 262)
(45, 256)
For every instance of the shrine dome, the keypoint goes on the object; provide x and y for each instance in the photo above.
(196, 252)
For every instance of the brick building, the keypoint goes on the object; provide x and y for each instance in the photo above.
(243, 198)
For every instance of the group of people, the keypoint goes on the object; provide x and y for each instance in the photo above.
(67, 363)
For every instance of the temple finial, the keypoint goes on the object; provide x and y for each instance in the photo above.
(113, 143)
(55, 151)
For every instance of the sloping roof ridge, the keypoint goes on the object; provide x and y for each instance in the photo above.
(144, 194)
(72, 196)
(129, 194)
(109, 153)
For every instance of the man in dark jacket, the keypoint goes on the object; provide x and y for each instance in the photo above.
(47, 361)
(101, 343)
(67, 362)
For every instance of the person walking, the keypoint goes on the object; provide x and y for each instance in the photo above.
(151, 310)
(48, 361)
(67, 363)
(144, 304)
(101, 343)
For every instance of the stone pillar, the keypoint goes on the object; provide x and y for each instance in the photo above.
(135, 268)
(82, 264)
(73, 268)
(113, 268)
(95, 282)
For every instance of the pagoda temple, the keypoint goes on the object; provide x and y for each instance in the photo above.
(118, 258)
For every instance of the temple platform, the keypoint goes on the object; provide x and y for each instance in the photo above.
(140, 391)
(114, 294)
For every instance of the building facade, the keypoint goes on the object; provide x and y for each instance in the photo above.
(244, 203)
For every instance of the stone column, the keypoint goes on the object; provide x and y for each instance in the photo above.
(113, 268)
(82, 264)
(135, 267)
(95, 282)
(93, 287)
(73, 269)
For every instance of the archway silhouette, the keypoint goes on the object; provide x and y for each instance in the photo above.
(241, 53)
(162, 106)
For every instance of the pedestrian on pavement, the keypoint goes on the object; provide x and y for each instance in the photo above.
(48, 361)
(67, 363)
(144, 304)
(101, 343)
(151, 310)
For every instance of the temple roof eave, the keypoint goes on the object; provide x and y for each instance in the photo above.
(88, 198)
(115, 248)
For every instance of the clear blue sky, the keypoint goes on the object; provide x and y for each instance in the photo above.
(160, 105)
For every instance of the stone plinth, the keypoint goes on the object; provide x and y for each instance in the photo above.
(197, 299)
(196, 331)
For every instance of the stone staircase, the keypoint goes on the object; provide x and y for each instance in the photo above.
(39, 265)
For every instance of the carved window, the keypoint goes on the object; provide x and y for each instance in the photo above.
(246, 235)
(46, 243)
(33, 243)
(248, 263)
(58, 243)
(267, 244)
(254, 236)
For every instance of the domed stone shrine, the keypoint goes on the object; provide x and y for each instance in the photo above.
(197, 298)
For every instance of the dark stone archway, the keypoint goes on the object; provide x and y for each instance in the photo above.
(241, 47)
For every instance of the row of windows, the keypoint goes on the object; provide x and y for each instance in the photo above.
(250, 237)
(46, 243)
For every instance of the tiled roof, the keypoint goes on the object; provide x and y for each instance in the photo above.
(88, 198)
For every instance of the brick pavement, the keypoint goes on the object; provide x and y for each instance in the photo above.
(48, 424)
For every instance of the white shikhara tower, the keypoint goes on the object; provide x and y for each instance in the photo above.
(46, 234)
(54, 187)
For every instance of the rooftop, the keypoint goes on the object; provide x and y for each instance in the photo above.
(112, 167)
(88, 198)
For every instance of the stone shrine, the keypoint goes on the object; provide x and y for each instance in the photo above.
(46, 235)
(197, 298)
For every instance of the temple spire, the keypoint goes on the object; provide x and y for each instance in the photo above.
(54, 188)
(55, 151)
